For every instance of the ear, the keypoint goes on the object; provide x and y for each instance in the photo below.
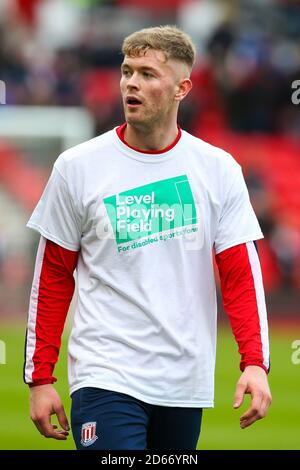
(183, 88)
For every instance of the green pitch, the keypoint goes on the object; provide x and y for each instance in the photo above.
(220, 426)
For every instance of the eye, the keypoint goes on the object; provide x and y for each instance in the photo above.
(147, 75)
(126, 73)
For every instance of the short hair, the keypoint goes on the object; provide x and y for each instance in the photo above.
(173, 42)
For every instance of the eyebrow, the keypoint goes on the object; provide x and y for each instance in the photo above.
(143, 67)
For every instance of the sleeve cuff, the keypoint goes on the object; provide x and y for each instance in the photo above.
(41, 382)
(243, 367)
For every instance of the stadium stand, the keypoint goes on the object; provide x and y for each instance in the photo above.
(248, 57)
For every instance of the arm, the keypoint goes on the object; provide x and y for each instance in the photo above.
(51, 294)
(244, 303)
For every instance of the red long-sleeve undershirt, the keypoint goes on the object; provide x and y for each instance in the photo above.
(53, 288)
(52, 291)
(244, 302)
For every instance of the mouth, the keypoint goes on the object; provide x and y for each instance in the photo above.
(132, 102)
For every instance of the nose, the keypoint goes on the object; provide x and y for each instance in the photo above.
(133, 82)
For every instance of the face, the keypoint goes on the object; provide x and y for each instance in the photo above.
(152, 88)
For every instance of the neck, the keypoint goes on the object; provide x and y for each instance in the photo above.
(151, 139)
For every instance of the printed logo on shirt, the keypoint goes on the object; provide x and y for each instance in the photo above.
(164, 207)
(88, 434)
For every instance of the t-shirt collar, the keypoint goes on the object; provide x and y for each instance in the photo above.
(121, 131)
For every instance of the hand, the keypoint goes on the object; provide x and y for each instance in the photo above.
(253, 381)
(44, 402)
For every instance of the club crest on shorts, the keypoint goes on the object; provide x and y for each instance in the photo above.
(88, 434)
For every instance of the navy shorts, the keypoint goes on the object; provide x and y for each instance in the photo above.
(106, 420)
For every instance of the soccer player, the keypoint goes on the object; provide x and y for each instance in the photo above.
(140, 212)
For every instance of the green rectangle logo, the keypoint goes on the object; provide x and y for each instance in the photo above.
(150, 209)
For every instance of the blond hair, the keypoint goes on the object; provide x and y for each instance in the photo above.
(173, 42)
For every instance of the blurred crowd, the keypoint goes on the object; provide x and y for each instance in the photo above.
(67, 53)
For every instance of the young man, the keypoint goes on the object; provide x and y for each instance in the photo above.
(138, 212)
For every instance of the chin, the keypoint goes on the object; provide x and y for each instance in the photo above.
(134, 121)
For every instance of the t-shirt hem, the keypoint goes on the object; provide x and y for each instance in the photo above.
(238, 242)
(145, 399)
(51, 237)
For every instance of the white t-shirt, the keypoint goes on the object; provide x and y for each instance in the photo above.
(146, 226)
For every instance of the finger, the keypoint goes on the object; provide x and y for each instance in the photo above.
(62, 418)
(58, 435)
(244, 423)
(266, 402)
(251, 417)
(248, 422)
(254, 409)
(239, 394)
(37, 425)
(48, 430)
(254, 413)
(60, 431)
